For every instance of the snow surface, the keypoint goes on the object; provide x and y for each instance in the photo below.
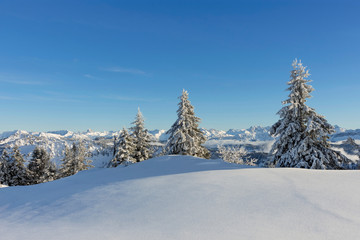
(182, 197)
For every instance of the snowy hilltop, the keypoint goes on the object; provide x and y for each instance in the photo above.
(183, 197)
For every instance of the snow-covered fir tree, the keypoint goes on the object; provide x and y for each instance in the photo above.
(125, 149)
(18, 174)
(81, 157)
(66, 168)
(142, 139)
(302, 133)
(351, 141)
(75, 160)
(41, 168)
(185, 136)
(115, 145)
(4, 168)
(356, 147)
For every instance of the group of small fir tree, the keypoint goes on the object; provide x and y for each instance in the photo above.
(75, 160)
(134, 146)
(40, 168)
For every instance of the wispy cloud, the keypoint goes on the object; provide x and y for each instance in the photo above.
(58, 97)
(91, 76)
(53, 99)
(125, 70)
(21, 82)
(8, 98)
(26, 79)
(130, 99)
(46, 96)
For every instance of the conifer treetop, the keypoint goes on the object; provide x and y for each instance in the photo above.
(138, 122)
(142, 139)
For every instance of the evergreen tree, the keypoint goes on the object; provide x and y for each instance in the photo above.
(142, 149)
(351, 141)
(18, 174)
(356, 147)
(4, 168)
(40, 167)
(125, 149)
(302, 133)
(81, 161)
(75, 160)
(66, 168)
(116, 143)
(51, 173)
(185, 136)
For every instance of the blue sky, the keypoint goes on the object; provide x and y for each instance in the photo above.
(89, 64)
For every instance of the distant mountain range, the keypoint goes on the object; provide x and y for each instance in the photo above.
(100, 144)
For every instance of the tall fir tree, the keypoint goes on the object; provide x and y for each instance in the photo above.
(185, 136)
(75, 160)
(18, 174)
(302, 133)
(143, 149)
(125, 148)
(41, 168)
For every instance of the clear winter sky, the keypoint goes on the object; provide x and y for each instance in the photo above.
(68, 64)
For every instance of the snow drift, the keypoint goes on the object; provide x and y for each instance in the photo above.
(182, 197)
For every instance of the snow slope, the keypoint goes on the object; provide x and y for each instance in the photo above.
(182, 197)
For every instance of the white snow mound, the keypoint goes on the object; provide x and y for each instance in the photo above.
(182, 197)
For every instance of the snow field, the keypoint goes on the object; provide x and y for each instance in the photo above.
(182, 197)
